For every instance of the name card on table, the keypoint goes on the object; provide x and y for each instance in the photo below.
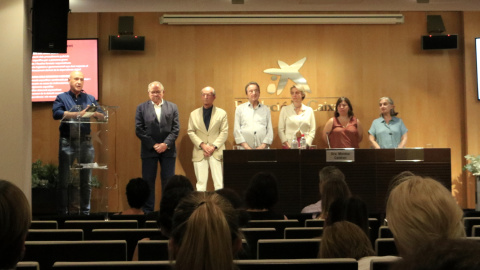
(340, 155)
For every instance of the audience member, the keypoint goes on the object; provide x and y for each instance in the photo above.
(137, 195)
(330, 191)
(352, 209)
(172, 182)
(261, 196)
(238, 204)
(327, 172)
(15, 219)
(205, 233)
(344, 239)
(447, 254)
(177, 188)
(421, 210)
(397, 179)
(178, 181)
(169, 202)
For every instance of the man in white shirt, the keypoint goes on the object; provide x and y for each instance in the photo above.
(157, 126)
(253, 123)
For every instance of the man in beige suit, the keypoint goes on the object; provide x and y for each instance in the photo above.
(208, 130)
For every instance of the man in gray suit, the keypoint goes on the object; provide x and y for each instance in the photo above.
(157, 127)
(208, 131)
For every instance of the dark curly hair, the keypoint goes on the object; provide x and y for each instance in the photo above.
(262, 192)
(137, 192)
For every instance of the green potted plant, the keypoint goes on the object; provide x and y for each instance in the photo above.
(474, 165)
(44, 183)
(44, 175)
(474, 168)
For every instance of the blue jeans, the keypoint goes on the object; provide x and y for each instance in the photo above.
(149, 174)
(70, 150)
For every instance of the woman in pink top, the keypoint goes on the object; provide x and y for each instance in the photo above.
(344, 130)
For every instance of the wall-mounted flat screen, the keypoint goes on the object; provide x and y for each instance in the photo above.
(50, 71)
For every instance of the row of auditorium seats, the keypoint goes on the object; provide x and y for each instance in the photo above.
(48, 252)
(309, 264)
(311, 229)
(88, 224)
(281, 264)
(131, 236)
(125, 223)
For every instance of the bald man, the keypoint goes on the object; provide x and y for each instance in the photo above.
(71, 147)
(208, 130)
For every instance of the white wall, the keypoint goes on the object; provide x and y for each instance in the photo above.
(15, 104)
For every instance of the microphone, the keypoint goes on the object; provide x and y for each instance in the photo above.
(328, 140)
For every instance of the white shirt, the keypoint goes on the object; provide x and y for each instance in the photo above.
(290, 122)
(253, 125)
(158, 109)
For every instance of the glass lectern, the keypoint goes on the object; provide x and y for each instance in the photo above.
(92, 171)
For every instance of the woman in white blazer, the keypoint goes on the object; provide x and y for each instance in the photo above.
(296, 119)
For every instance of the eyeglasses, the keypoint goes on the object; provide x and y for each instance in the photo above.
(155, 92)
(253, 91)
(207, 95)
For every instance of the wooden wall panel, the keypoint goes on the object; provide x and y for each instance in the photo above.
(362, 62)
(471, 105)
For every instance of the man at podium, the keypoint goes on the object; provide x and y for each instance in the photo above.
(71, 146)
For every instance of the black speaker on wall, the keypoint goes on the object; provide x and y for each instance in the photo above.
(50, 25)
(126, 43)
(439, 42)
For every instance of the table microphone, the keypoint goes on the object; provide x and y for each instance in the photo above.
(328, 140)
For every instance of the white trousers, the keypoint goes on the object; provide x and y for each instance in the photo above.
(201, 172)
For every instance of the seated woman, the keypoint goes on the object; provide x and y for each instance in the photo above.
(261, 196)
(177, 188)
(205, 233)
(352, 209)
(330, 191)
(344, 130)
(344, 239)
(421, 210)
(137, 194)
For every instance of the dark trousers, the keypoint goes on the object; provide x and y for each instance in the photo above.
(149, 174)
(83, 152)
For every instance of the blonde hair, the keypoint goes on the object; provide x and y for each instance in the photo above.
(300, 88)
(421, 210)
(344, 239)
(205, 229)
(15, 219)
